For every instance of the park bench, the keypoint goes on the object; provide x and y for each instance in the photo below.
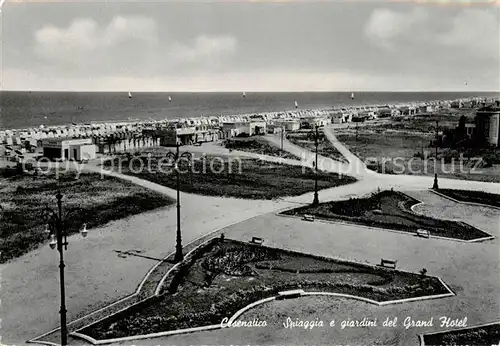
(388, 263)
(290, 294)
(257, 240)
(308, 217)
(423, 233)
(198, 144)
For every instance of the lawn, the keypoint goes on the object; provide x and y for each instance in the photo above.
(224, 276)
(325, 147)
(390, 210)
(402, 146)
(487, 335)
(231, 177)
(473, 196)
(258, 146)
(90, 199)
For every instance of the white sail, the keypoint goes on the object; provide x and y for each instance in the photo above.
(169, 99)
(352, 96)
(296, 104)
(244, 94)
(129, 95)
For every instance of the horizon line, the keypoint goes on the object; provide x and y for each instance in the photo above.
(255, 91)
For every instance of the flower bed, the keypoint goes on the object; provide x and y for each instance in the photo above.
(389, 209)
(485, 335)
(224, 276)
(472, 196)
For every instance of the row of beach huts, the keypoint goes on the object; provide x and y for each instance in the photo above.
(85, 141)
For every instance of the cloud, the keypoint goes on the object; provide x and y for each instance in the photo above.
(83, 37)
(385, 26)
(474, 30)
(203, 48)
(128, 45)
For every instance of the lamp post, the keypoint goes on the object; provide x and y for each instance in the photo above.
(436, 128)
(316, 137)
(282, 137)
(56, 229)
(176, 157)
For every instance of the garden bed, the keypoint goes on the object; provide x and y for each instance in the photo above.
(258, 146)
(472, 196)
(223, 276)
(325, 147)
(485, 335)
(231, 177)
(391, 210)
(91, 199)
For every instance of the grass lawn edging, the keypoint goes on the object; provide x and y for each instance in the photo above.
(421, 337)
(237, 314)
(464, 202)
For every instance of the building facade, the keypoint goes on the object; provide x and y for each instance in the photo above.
(69, 149)
(488, 125)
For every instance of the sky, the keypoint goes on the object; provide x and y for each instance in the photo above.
(250, 46)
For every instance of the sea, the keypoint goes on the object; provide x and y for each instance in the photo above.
(31, 109)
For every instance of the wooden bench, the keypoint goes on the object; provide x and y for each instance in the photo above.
(257, 240)
(423, 233)
(290, 294)
(308, 217)
(388, 263)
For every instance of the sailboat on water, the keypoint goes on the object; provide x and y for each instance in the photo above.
(169, 99)
(352, 96)
(129, 95)
(296, 104)
(244, 94)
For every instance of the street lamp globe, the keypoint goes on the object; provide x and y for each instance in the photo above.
(84, 230)
(53, 241)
